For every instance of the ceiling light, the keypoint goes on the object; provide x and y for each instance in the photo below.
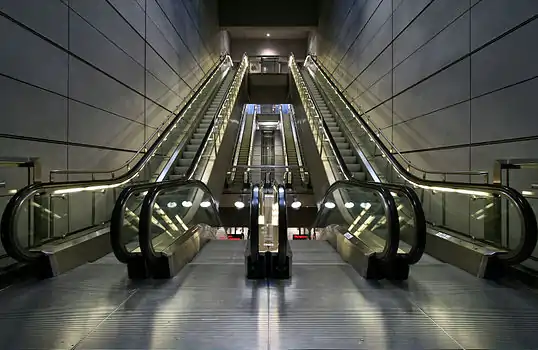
(329, 205)
(296, 204)
(366, 205)
(239, 205)
(349, 205)
(186, 204)
(267, 35)
(205, 204)
(171, 204)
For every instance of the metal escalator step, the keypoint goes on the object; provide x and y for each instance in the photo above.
(192, 148)
(343, 145)
(197, 142)
(334, 128)
(180, 170)
(174, 177)
(337, 134)
(349, 159)
(184, 161)
(361, 176)
(188, 154)
(197, 135)
(340, 139)
(354, 167)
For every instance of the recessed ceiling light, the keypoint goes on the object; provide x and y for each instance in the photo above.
(239, 205)
(349, 205)
(205, 204)
(186, 204)
(171, 204)
(329, 205)
(296, 204)
(267, 35)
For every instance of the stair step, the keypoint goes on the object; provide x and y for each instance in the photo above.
(192, 148)
(349, 159)
(175, 177)
(196, 142)
(343, 145)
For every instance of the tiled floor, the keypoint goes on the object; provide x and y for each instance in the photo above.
(210, 305)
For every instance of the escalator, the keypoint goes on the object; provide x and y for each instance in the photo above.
(68, 223)
(292, 147)
(243, 147)
(349, 155)
(165, 217)
(188, 153)
(448, 205)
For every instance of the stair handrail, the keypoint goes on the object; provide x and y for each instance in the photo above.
(8, 223)
(529, 230)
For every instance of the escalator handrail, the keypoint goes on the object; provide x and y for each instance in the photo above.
(146, 213)
(118, 214)
(419, 244)
(282, 226)
(8, 223)
(140, 150)
(393, 224)
(407, 161)
(529, 228)
(117, 219)
(254, 228)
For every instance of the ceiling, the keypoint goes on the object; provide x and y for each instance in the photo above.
(261, 32)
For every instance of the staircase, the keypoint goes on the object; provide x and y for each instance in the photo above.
(351, 158)
(186, 157)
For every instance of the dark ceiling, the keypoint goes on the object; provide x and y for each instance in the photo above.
(269, 13)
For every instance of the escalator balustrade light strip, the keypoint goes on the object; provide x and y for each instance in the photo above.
(47, 211)
(178, 219)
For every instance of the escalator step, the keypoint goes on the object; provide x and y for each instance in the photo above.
(342, 146)
(361, 176)
(192, 148)
(180, 170)
(184, 161)
(354, 167)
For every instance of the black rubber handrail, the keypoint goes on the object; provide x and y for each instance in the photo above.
(146, 213)
(8, 224)
(118, 214)
(117, 220)
(254, 228)
(282, 226)
(390, 250)
(529, 228)
(419, 218)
